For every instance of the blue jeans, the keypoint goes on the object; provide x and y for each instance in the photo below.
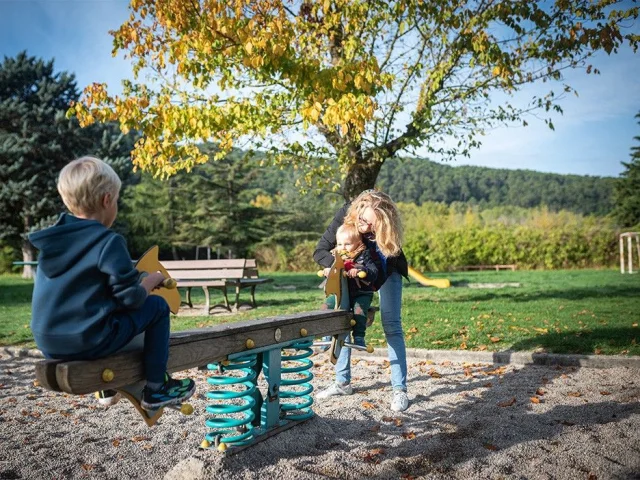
(390, 307)
(152, 319)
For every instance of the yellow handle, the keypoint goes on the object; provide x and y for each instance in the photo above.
(361, 274)
(321, 273)
(169, 283)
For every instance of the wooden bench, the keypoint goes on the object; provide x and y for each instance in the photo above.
(486, 267)
(222, 274)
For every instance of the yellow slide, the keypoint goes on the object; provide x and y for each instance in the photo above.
(429, 282)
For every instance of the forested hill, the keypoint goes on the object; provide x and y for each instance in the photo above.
(418, 181)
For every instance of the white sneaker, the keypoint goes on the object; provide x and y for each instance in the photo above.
(333, 390)
(400, 401)
(107, 398)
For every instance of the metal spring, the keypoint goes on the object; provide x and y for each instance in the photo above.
(301, 380)
(231, 422)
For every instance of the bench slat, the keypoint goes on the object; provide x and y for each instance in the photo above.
(205, 274)
(204, 264)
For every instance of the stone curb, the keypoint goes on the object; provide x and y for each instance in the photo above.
(461, 356)
(518, 358)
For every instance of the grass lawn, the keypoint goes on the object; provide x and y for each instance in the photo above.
(567, 311)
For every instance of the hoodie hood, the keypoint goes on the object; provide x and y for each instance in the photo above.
(55, 256)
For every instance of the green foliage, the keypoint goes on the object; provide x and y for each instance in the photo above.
(8, 255)
(627, 190)
(412, 180)
(530, 238)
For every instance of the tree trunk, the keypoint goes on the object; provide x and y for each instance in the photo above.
(361, 176)
(28, 255)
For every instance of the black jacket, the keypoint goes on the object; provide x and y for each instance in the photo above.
(324, 257)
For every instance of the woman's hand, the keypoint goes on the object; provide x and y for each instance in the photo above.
(152, 281)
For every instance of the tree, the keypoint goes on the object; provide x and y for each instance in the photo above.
(627, 189)
(342, 85)
(36, 141)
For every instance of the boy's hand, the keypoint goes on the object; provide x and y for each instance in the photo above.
(152, 281)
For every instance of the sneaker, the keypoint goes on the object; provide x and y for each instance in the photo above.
(333, 390)
(172, 392)
(106, 398)
(359, 341)
(324, 348)
(400, 401)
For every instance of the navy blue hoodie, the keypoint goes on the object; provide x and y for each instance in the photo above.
(84, 275)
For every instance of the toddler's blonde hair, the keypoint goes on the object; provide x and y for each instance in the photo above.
(348, 230)
(388, 229)
(84, 182)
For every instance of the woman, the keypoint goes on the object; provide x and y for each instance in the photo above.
(378, 220)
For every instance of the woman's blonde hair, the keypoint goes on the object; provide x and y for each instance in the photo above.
(388, 226)
(84, 182)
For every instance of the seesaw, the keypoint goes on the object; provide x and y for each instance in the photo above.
(235, 354)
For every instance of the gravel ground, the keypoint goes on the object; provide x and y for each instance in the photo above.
(465, 421)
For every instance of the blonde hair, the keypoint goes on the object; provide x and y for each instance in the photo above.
(388, 226)
(349, 230)
(84, 182)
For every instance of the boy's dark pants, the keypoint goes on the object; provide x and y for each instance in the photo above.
(152, 319)
(360, 303)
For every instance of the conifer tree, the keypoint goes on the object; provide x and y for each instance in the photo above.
(627, 189)
(36, 141)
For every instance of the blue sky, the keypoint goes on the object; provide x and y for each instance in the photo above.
(593, 136)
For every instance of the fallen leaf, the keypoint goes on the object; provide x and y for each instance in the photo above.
(140, 438)
(482, 347)
(368, 405)
(489, 446)
(535, 400)
(541, 330)
(116, 443)
(574, 394)
(507, 403)
(412, 330)
(434, 374)
(397, 422)
(494, 339)
(88, 467)
(539, 391)
(409, 435)
(604, 392)
(375, 428)
(488, 385)
(597, 351)
(437, 342)
(463, 346)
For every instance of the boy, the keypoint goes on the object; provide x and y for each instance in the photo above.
(88, 301)
(357, 259)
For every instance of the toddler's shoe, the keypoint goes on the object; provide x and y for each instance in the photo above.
(107, 398)
(172, 392)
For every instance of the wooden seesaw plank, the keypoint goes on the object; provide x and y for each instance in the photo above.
(191, 348)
